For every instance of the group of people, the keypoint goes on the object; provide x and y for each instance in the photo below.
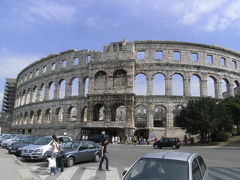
(116, 140)
(57, 154)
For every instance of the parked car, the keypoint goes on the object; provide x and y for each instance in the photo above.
(79, 151)
(7, 143)
(169, 165)
(38, 149)
(167, 142)
(16, 148)
(6, 137)
(97, 138)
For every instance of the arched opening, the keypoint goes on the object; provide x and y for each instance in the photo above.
(62, 87)
(158, 84)
(31, 117)
(25, 118)
(86, 82)
(100, 81)
(28, 96)
(42, 92)
(176, 111)
(120, 79)
(23, 98)
(59, 114)
(195, 85)
(75, 85)
(34, 96)
(160, 116)
(141, 84)
(99, 112)
(211, 86)
(119, 112)
(224, 87)
(39, 116)
(236, 87)
(177, 85)
(48, 115)
(72, 111)
(51, 90)
(141, 116)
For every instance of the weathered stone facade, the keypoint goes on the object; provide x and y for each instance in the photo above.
(106, 100)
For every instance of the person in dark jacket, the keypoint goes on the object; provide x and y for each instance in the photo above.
(61, 154)
(104, 155)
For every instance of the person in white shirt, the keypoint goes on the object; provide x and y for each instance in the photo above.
(54, 153)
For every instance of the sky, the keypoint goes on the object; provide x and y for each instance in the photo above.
(31, 29)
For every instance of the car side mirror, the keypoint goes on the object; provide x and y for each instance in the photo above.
(124, 172)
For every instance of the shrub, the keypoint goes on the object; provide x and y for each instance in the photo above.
(221, 136)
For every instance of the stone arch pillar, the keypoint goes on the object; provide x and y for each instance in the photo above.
(150, 115)
(80, 86)
(187, 88)
(91, 85)
(203, 87)
(230, 88)
(31, 95)
(68, 88)
(38, 94)
(47, 89)
(149, 84)
(168, 85)
(218, 88)
(169, 118)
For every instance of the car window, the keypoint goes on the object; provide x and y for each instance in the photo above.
(202, 164)
(68, 145)
(43, 141)
(65, 139)
(157, 169)
(75, 145)
(196, 172)
(91, 145)
(83, 144)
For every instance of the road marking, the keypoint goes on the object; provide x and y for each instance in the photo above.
(219, 175)
(67, 173)
(25, 173)
(113, 174)
(89, 173)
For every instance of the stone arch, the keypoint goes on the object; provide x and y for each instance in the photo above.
(28, 96)
(84, 114)
(119, 112)
(120, 79)
(48, 115)
(160, 116)
(62, 88)
(25, 117)
(195, 85)
(31, 117)
(51, 86)
(72, 112)
(141, 84)
(159, 84)
(42, 92)
(99, 112)
(176, 111)
(100, 80)
(140, 116)
(39, 116)
(212, 86)
(59, 114)
(34, 96)
(225, 87)
(236, 87)
(177, 84)
(23, 98)
(21, 119)
(74, 86)
(86, 85)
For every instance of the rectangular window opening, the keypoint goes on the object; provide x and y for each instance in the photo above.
(44, 69)
(64, 63)
(53, 66)
(37, 72)
(210, 59)
(177, 55)
(140, 55)
(76, 61)
(114, 47)
(120, 47)
(30, 76)
(158, 55)
(89, 57)
(194, 57)
(234, 64)
(223, 61)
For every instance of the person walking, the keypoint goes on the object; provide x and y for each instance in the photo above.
(61, 154)
(54, 154)
(104, 155)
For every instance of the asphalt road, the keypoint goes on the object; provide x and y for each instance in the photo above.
(223, 164)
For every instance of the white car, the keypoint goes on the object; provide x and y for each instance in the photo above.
(169, 165)
(42, 145)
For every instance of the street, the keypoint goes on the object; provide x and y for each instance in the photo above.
(223, 164)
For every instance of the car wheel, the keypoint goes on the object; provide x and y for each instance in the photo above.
(97, 158)
(174, 146)
(70, 162)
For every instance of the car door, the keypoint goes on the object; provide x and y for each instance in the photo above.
(203, 167)
(91, 150)
(82, 152)
(196, 171)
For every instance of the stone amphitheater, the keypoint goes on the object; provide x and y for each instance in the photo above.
(131, 88)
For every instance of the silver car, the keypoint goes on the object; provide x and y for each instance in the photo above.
(169, 165)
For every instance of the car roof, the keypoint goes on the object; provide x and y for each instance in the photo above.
(171, 155)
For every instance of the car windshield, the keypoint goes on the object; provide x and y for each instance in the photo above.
(27, 140)
(158, 169)
(43, 141)
(71, 145)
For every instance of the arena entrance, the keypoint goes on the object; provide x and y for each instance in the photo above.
(109, 131)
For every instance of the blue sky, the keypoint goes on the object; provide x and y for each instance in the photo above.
(31, 29)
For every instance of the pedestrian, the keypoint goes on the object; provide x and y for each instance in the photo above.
(54, 153)
(118, 140)
(113, 139)
(104, 154)
(61, 154)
